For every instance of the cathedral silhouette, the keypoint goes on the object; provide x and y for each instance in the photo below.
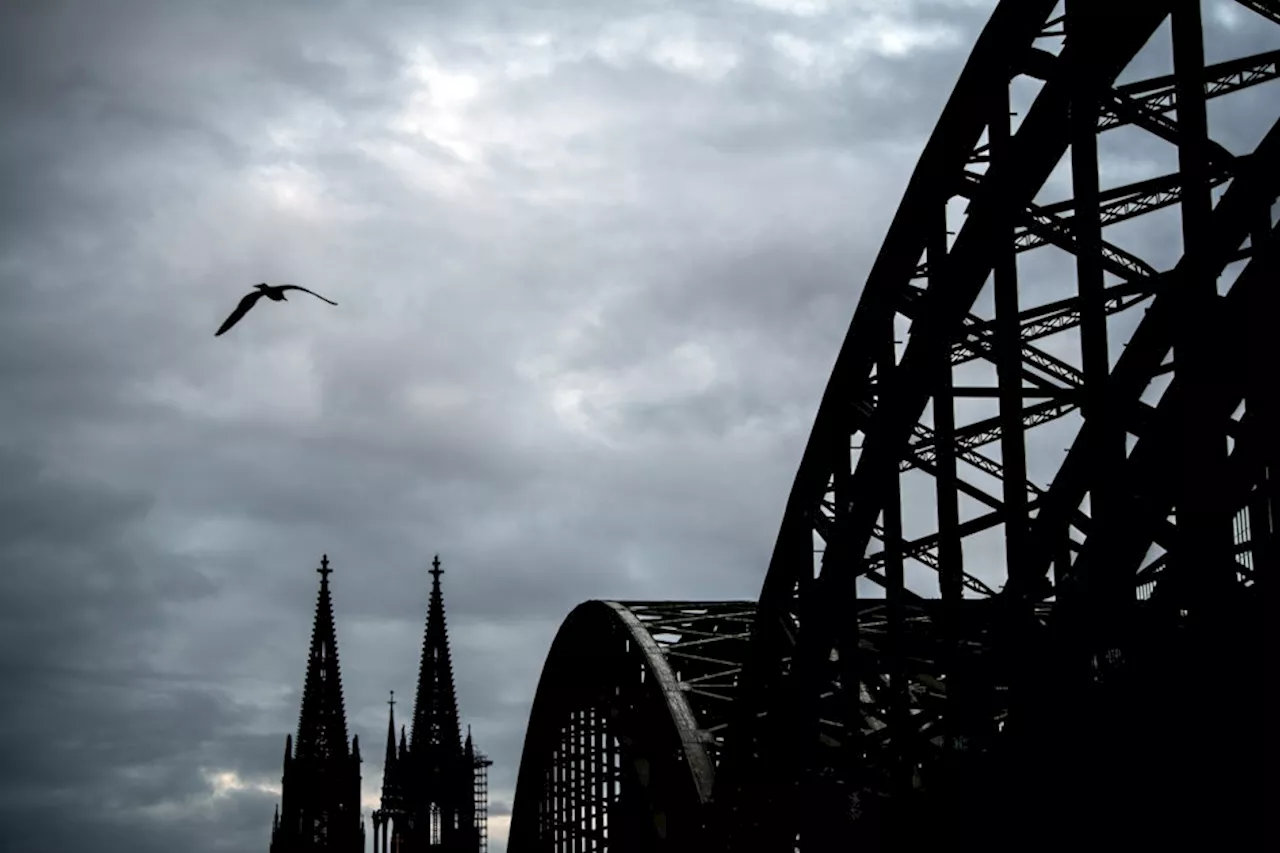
(434, 785)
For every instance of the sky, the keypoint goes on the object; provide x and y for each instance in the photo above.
(593, 262)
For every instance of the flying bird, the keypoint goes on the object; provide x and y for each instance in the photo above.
(273, 292)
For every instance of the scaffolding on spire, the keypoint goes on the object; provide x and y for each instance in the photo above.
(432, 795)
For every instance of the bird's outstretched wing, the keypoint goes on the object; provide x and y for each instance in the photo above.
(241, 310)
(304, 290)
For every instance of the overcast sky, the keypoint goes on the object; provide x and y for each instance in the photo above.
(593, 264)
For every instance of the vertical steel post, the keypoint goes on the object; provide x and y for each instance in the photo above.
(950, 554)
(950, 550)
(1109, 592)
(850, 629)
(1203, 520)
(891, 496)
(1008, 339)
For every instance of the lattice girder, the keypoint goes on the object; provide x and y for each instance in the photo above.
(900, 481)
(627, 726)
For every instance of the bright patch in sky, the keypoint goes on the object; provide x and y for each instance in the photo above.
(226, 782)
(438, 109)
(672, 43)
(587, 401)
(567, 402)
(820, 63)
(1230, 14)
(800, 8)
(305, 127)
(812, 61)
(694, 58)
(302, 193)
(221, 784)
(499, 826)
(443, 88)
(895, 37)
(291, 188)
(521, 56)
(422, 171)
(454, 110)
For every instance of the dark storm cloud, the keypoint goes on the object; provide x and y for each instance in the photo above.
(590, 288)
(92, 731)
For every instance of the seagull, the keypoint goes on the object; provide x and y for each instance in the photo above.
(274, 293)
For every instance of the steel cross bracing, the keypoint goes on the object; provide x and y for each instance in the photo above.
(627, 726)
(871, 704)
(996, 420)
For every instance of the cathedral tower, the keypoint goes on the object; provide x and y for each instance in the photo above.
(433, 789)
(320, 801)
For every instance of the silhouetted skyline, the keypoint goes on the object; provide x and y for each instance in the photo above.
(594, 262)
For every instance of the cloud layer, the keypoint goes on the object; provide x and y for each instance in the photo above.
(593, 263)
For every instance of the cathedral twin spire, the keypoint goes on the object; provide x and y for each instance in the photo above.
(434, 787)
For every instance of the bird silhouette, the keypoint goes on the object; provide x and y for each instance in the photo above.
(273, 292)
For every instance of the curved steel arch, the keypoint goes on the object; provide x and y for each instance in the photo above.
(1086, 587)
(627, 726)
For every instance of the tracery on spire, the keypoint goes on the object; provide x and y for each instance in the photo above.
(435, 710)
(321, 780)
(322, 722)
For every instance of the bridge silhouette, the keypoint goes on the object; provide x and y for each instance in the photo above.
(1018, 593)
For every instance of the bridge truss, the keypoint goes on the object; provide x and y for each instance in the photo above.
(1019, 588)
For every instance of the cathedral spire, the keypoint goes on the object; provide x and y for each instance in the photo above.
(322, 724)
(431, 801)
(435, 708)
(320, 808)
(390, 762)
(391, 731)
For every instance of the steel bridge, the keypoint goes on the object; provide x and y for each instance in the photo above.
(1018, 594)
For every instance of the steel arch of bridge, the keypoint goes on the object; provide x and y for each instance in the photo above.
(626, 726)
(1034, 521)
